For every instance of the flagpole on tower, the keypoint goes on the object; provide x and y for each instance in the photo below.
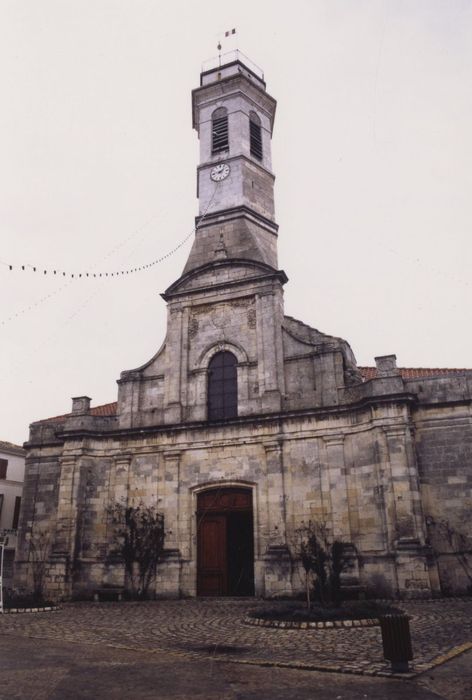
(226, 35)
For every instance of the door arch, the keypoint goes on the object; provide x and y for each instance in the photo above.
(225, 542)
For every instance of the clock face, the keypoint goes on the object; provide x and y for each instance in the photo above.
(219, 172)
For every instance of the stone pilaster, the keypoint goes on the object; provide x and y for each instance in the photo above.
(336, 500)
(62, 551)
(119, 480)
(184, 340)
(412, 556)
(275, 492)
(169, 569)
(277, 560)
(168, 490)
(117, 492)
(416, 504)
(405, 525)
(335, 487)
(173, 376)
(269, 352)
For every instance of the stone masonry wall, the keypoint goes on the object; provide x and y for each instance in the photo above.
(38, 510)
(444, 448)
(336, 470)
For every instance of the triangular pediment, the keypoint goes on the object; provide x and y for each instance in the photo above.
(222, 273)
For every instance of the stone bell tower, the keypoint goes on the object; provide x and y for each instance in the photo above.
(234, 118)
(229, 297)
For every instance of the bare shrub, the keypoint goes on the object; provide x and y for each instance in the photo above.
(323, 560)
(138, 533)
(39, 547)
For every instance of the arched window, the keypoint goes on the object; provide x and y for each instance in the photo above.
(255, 135)
(219, 130)
(222, 386)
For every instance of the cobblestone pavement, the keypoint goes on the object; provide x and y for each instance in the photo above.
(215, 627)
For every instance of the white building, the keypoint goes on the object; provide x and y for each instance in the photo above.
(12, 471)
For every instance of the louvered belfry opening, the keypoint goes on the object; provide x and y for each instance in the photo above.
(255, 135)
(222, 387)
(219, 131)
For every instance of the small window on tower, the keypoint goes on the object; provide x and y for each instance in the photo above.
(255, 135)
(219, 131)
(3, 468)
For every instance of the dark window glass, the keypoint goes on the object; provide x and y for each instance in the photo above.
(16, 513)
(222, 387)
(219, 131)
(255, 135)
(3, 468)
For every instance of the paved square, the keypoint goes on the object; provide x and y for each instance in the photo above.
(214, 627)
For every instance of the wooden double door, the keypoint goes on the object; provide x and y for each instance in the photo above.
(225, 541)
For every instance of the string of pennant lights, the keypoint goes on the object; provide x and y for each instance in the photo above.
(116, 273)
(72, 277)
(78, 275)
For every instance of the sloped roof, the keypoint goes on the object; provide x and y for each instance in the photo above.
(10, 447)
(106, 409)
(414, 372)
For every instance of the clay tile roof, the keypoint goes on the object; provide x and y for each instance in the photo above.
(368, 372)
(54, 419)
(414, 372)
(106, 409)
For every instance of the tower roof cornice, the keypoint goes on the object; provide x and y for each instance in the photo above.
(233, 84)
(239, 63)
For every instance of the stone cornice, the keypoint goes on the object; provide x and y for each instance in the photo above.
(216, 218)
(236, 62)
(260, 420)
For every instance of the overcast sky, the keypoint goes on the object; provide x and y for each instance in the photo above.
(372, 151)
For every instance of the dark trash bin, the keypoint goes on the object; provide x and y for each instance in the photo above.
(396, 640)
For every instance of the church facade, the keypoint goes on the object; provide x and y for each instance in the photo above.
(247, 423)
